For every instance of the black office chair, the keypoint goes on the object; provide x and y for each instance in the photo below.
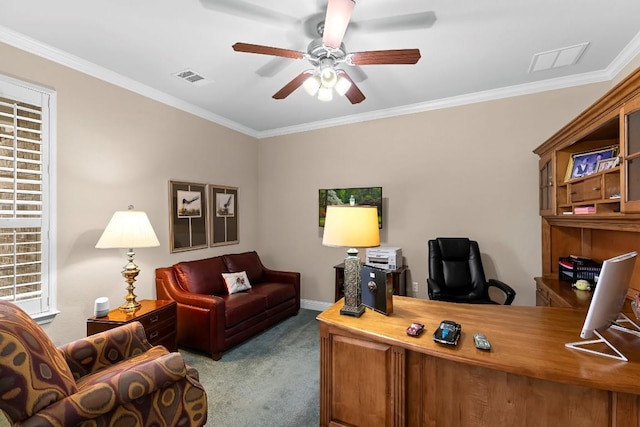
(456, 273)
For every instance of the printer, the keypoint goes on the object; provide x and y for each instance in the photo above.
(385, 257)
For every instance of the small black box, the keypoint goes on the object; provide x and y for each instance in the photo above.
(377, 289)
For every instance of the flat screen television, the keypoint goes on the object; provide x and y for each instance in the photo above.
(605, 309)
(371, 196)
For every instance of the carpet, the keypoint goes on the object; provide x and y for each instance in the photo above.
(271, 380)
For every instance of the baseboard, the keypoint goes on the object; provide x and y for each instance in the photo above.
(315, 305)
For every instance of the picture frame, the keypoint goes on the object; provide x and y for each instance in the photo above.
(585, 163)
(224, 215)
(607, 164)
(188, 226)
(371, 196)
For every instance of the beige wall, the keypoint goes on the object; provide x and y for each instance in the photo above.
(460, 171)
(466, 171)
(117, 148)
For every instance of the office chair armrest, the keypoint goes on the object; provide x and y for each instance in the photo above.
(508, 290)
(434, 290)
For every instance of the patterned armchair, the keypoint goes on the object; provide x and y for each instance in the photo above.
(114, 378)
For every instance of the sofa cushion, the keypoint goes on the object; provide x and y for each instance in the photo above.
(203, 276)
(275, 293)
(247, 261)
(236, 282)
(242, 306)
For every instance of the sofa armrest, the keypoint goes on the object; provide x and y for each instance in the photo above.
(168, 288)
(101, 350)
(104, 391)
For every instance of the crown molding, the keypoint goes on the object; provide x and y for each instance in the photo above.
(45, 51)
(631, 51)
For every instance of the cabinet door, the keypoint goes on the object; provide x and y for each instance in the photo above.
(546, 186)
(630, 151)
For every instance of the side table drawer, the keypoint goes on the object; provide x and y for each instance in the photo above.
(153, 319)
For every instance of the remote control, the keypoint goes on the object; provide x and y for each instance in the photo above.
(481, 342)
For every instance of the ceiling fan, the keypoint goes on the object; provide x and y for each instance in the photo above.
(326, 53)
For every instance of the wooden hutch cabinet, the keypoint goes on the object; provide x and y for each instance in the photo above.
(611, 197)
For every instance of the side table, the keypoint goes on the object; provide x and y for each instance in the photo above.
(159, 319)
(398, 276)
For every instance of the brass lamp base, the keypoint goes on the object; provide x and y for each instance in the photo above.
(352, 292)
(130, 273)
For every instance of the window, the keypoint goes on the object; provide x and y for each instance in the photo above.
(26, 248)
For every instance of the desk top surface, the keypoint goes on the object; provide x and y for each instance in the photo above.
(526, 341)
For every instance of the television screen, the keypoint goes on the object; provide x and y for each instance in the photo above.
(607, 301)
(371, 196)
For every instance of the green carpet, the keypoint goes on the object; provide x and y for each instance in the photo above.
(271, 380)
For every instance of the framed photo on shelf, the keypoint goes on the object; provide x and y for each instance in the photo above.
(188, 228)
(607, 164)
(586, 163)
(224, 215)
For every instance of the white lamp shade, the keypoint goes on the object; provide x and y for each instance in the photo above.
(351, 226)
(328, 77)
(311, 85)
(343, 85)
(325, 94)
(127, 230)
(336, 21)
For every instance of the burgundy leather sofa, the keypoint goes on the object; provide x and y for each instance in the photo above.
(211, 320)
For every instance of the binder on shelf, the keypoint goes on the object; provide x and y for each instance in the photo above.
(573, 268)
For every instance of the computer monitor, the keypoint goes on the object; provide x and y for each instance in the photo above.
(606, 305)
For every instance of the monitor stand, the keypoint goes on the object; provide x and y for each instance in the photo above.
(615, 325)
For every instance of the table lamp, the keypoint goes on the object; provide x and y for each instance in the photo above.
(128, 230)
(353, 227)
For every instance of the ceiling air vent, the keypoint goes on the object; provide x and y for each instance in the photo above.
(192, 77)
(557, 58)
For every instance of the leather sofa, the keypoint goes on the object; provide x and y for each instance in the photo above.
(209, 318)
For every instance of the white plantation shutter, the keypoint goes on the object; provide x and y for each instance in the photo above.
(25, 246)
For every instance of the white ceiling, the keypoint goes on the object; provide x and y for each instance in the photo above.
(474, 50)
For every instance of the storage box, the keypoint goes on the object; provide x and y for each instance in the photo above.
(571, 269)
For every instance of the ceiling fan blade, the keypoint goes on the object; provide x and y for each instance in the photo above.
(267, 50)
(336, 21)
(397, 23)
(372, 57)
(292, 85)
(353, 94)
(250, 11)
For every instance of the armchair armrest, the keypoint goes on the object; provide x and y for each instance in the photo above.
(103, 391)
(510, 294)
(104, 349)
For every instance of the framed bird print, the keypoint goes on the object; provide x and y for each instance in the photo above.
(188, 228)
(224, 215)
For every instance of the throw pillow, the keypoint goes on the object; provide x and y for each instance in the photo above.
(236, 282)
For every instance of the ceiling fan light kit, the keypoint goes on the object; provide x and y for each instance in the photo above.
(327, 51)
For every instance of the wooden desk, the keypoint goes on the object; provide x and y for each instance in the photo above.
(373, 374)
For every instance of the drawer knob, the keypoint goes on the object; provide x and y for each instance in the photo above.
(154, 335)
(574, 192)
(154, 319)
(596, 188)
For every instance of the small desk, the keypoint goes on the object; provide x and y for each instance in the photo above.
(398, 276)
(159, 319)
